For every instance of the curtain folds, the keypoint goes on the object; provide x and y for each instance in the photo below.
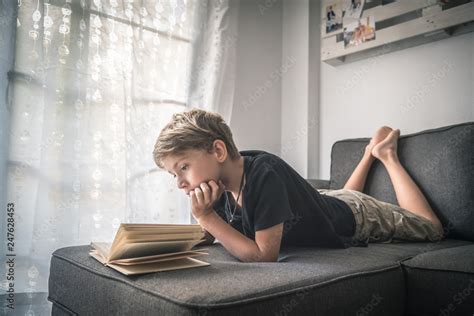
(213, 79)
(92, 85)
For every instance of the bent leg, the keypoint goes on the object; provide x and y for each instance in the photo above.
(357, 179)
(408, 193)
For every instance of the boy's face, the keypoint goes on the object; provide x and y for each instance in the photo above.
(192, 168)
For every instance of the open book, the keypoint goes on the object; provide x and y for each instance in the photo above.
(144, 248)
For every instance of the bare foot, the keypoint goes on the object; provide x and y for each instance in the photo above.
(379, 136)
(388, 147)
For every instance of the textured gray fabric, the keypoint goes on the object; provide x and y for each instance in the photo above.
(305, 280)
(59, 310)
(441, 282)
(319, 183)
(458, 259)
(441, 162)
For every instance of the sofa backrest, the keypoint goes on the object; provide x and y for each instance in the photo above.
(440, 161)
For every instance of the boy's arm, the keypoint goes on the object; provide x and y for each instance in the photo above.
(265, 247)
(209, 239)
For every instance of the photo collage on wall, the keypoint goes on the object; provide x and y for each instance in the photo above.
(347, 15)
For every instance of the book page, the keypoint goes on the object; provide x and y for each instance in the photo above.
(150, 232)
(141, 249)
(121, 241)
(103, 248)
(147, 231)
(131, 227)
(162, 237)
(147, 258)
(173, 257)
(159, 266)
(97, 256)
(122, 233)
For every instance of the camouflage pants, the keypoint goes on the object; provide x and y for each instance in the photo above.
(384, 222)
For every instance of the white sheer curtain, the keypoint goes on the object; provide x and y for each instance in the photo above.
(213, 75)
(92, 85)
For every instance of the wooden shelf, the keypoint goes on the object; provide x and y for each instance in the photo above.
(403, 23)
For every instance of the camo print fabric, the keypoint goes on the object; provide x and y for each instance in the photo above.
(378, 221)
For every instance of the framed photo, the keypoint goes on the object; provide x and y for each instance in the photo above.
(333, 16)
(358, 32)
(353, 9)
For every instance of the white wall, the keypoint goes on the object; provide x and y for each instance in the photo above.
(294, 86)
(419, 88)
(422, 87)
(276, 93)
(256, 114)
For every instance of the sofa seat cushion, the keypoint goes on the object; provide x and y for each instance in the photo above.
(305, 280)
(441, 282)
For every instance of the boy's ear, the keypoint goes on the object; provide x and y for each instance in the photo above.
(220, 150)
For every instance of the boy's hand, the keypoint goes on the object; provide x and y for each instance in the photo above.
(204, 196)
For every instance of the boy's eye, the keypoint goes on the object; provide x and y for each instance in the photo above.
(184, 167)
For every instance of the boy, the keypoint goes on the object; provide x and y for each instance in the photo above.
(253, 202)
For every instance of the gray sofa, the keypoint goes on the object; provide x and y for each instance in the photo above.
(412, 278)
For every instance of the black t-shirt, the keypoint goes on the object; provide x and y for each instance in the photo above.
(275, 193)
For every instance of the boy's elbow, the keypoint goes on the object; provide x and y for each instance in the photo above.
(258, 256)
(209, 239)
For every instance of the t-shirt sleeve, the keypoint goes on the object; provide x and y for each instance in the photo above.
(272, 205)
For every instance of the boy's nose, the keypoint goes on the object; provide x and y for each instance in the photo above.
(181, 184)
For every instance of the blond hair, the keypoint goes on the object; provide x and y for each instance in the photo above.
(194, 129)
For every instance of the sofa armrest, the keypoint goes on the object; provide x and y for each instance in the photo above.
(319, 183)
